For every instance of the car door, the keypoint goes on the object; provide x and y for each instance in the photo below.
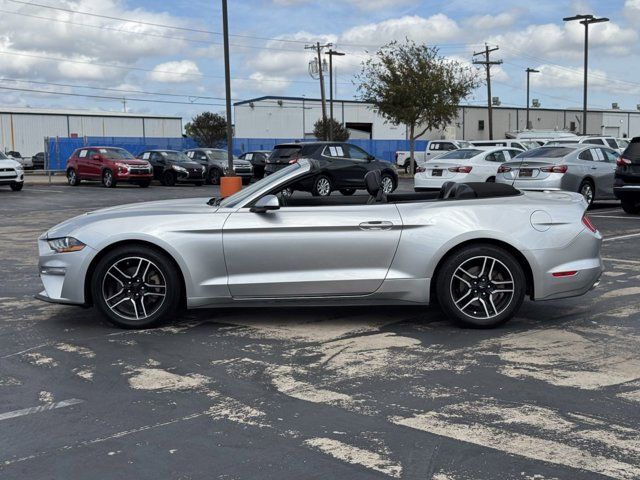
(604, 189)
(158, 163)
(360, 164)
(310, 251)
(488, 166)
(94, 163)
(344, 172)
(82, 163)
(433, 149)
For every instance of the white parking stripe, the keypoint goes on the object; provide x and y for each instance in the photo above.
(636, 262)
(622, 237)
(43, 190)
(38, 409)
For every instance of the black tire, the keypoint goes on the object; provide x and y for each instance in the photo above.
(144, 184)
(348, 191)
(407, 167)
(108, 180)
(122, 315)
(491, 180)
(499, 309)
(388, 179)
(198, 184)
(214, 176)
(168, 178)
(631, 206)
(16, 187)
(72, 178)
(246, 180)
(587, 190)
(322, 186)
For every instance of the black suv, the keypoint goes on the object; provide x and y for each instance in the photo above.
(258, 159)
(171, 167)
(343, 167)
(626, 183)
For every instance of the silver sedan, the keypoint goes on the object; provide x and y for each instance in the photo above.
(138, 263)
(587, 169)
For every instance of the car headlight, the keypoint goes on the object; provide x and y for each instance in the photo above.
(178, 168)
(122, 167)
(65, 244)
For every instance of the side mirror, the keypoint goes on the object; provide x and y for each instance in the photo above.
(266, 203)
(370, 158)
(96, 157)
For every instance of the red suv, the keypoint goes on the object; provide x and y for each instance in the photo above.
(109, 165)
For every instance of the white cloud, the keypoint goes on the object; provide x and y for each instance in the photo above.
(489, 22)
(182, 71)
(554, 76)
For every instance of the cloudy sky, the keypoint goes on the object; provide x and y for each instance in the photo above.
(53, 51)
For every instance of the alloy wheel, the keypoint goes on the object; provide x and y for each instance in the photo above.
(482, 287)
(71, 177)
(387, 184)
(323, 187)
(587, 192)
(107, 178)
(134, 288)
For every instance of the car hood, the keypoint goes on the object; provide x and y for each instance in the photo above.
(132, 162)
(237, 161)
(186, 206)
(187, 164)
(8, 163)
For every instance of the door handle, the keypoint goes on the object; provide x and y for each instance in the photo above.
(594, 168)
(376, 225)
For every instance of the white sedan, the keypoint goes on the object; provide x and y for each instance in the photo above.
(475, 164)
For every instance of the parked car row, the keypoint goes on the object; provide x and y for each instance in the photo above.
(596, 172)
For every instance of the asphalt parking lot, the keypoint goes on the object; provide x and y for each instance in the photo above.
(345, 393)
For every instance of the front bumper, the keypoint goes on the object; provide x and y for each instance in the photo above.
(10, 180)
(63, 274)
(625, 192)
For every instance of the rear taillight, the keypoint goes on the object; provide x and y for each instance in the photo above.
(504, 169)
(465, 169)
(555, 169)
(621, 162)
(569, 273)
(586, 221)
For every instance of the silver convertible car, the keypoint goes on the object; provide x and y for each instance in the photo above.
(476, 248)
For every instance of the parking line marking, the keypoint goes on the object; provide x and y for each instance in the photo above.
(636, 262)
(43, 190)
(622, 237)
(40, 408)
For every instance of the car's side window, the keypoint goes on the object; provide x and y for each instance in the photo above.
(496, 157)
(247, 156)
(609, 156)
(434, 146)
(146, 155)
(585, 155)
(358, 154)
(448, 146)
(190, 154)
(82, 153)
(597, 155)
(334, 151)
(596, 141)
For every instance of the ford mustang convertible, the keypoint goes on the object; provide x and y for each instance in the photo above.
(477, 249)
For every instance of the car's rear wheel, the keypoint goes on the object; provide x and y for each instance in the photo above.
(214, 176)
(198, 184)
(388, 185)
(108, 180)
(16, 187)
(491, 180)
(587, 191)
(631, 206)
(348, 191)
(72, 178)
(168, 179)
(144, 183)
(136, 287)
(481, 286)
(322, 186)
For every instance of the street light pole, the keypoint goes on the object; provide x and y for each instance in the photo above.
(529, 71)
(331, 53)
(227, 88)
(585, 20)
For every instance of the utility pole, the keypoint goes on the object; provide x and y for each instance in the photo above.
(529, 71)
(124, 105)
(331, 53)
(585, 20)
(318, 48)
(227, 89)
(487, 65)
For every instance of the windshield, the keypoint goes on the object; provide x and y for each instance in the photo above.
(464, 144)
(217, 154)
(178, 157)
(529, 144)
(115, 153)
(623, 143)
(274, 178)
(3, 156)
(462, 154)
(546, 152)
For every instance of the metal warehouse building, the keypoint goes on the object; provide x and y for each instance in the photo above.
(24, 129)
(293, 117)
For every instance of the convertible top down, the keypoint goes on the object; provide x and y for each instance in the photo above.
(478, 248)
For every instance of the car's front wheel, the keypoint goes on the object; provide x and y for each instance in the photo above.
(322, 186)
(214, 176)
(481, 286)
(587, 191)
(168, 179)
(72, 178)
(631, 206)
(388, 185)
(16, 187)
(108, 179)
(136, 287)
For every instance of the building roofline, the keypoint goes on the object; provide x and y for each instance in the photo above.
(300, 99)
(80, 113)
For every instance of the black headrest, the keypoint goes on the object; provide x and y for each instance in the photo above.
(373, 182)
(446, 188)
(463, 191)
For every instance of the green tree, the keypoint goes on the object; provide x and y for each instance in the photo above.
(207, 129)
(413, 85)
(339, 132)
